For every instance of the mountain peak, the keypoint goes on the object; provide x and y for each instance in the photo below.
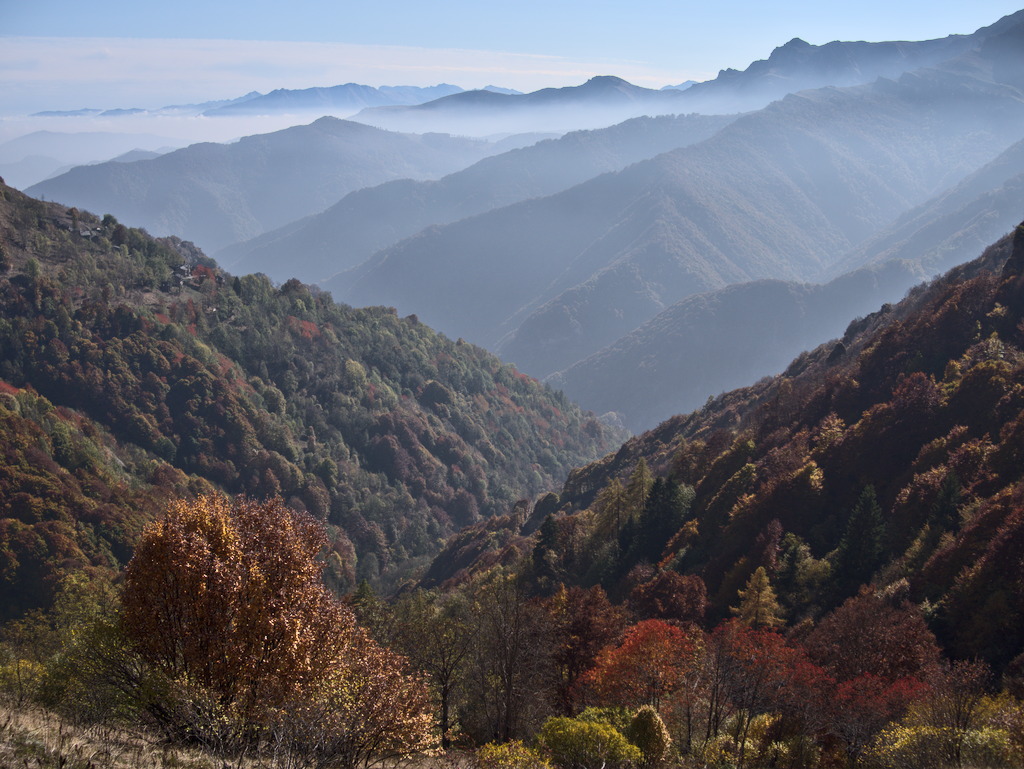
(605, 81)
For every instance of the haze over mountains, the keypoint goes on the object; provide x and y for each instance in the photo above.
(780, 193)
(216, 194)
(795, 66)
(339, 100)
(742, 332)
(639, 245)
(370, 219)
(35, 156)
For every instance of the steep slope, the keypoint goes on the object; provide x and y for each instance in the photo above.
(741, 333)
(892, 457)
(709, 343)
(126, 379)
(216, 194)
(777, 194)
(369, 220)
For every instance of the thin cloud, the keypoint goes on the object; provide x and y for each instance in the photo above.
(122, 72)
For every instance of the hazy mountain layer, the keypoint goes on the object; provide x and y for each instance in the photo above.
(600, 102)
(339, 100)
(368, 220)
(798, 65)
(217, 194)
(741, 333)
(710, 343)
(793, 67)
(31, 158)
(949, 229)
(777, 194)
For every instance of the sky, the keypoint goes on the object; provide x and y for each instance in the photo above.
(69, 54)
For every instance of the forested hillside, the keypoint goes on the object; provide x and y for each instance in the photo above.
(890, 457)
(133, 370)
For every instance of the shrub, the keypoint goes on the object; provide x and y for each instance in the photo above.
(509, 755)
(647, 731)
(574, 744)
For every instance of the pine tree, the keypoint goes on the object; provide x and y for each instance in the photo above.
(638, 488)
(862, 546)
(758, 606)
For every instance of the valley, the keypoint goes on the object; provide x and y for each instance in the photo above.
(588, 426)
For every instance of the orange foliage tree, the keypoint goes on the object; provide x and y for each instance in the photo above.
(224, 602)
(650, 664)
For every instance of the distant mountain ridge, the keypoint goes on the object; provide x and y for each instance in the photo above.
(344, 99)
(216, 194)
(790, 68)
(600, 101)
(371, 219)
(779, 193)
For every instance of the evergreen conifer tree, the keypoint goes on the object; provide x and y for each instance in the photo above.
(862, 546)
(758, 608)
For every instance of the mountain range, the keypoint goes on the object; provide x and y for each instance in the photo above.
(216, 194)
(715, 328)
(793, 67)
(368, 220)
(588, 255)
(781, 193)
(339, 100)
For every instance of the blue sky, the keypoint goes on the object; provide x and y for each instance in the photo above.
(64, 54)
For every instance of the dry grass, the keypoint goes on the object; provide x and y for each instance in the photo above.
(34, 738)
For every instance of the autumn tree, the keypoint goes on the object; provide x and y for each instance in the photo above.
(862, 706)
(649, 665)
(224, 603)
(752, 671)
(510, 668)
(758, 607)
(435, 633)
(583, 622)
(877, 633)
(671, 596)
(364, 711)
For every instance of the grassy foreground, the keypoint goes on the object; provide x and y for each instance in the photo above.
(35, 738)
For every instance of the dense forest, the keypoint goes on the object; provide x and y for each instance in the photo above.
(888, 457)
(133, 371)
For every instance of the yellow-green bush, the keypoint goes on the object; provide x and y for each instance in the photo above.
(574, 744)
(509, 755)
(647, 731)
(933, 747)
